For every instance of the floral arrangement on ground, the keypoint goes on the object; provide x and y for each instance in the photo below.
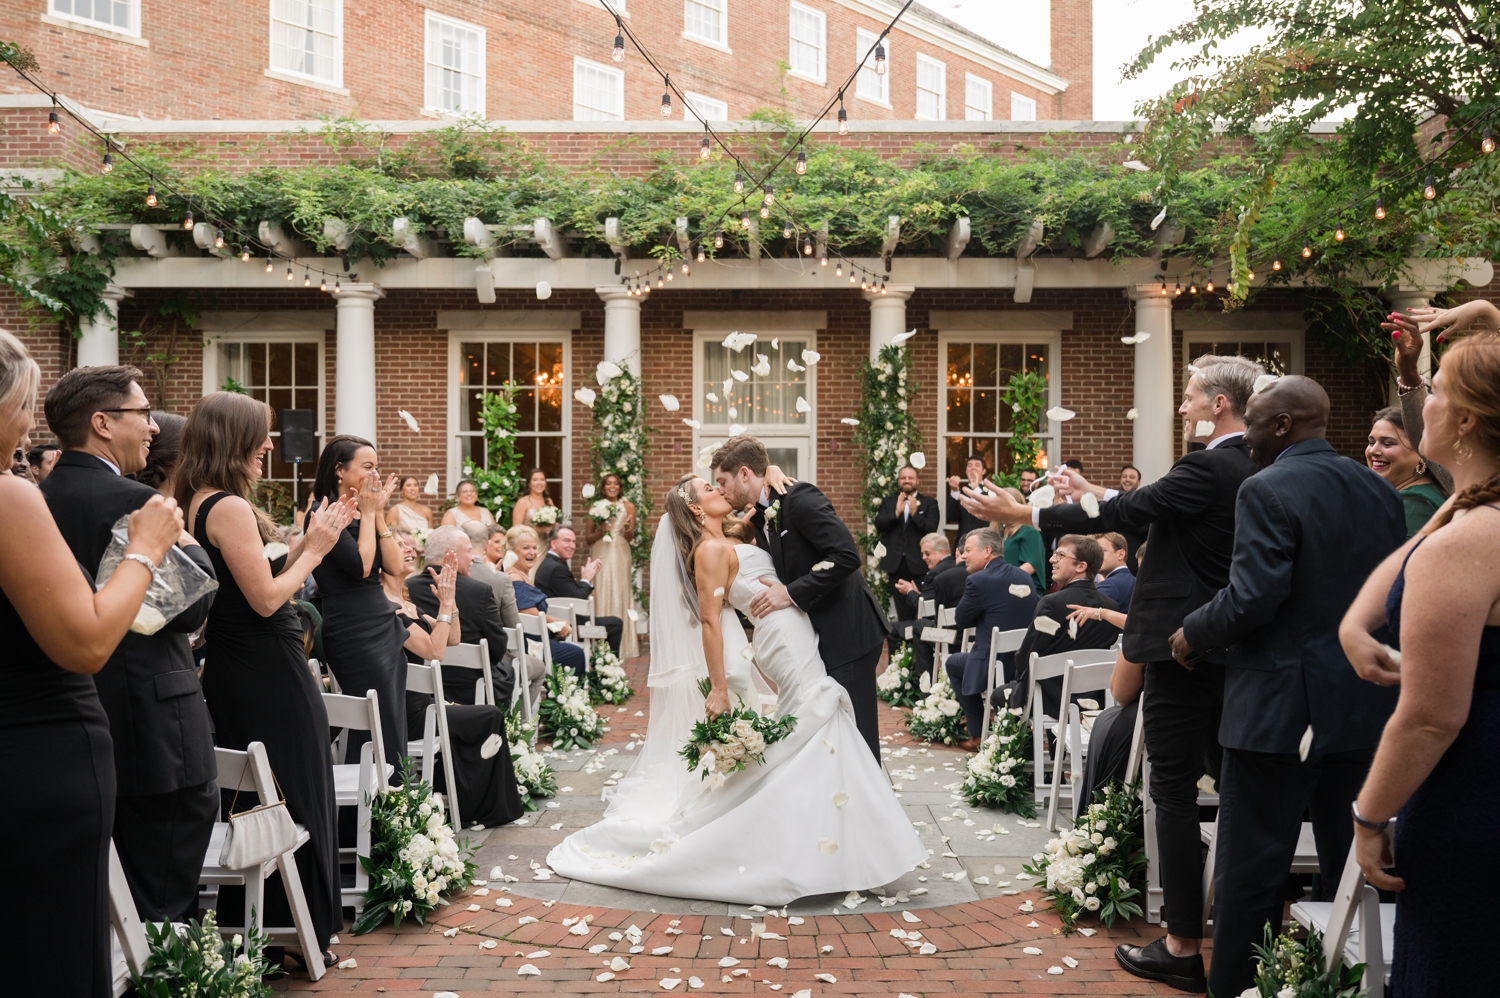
(193, 959)
(938, 717)
(414, 858)
(730, 742)
(1286, 968)
(610, 683)
(620, 446)
(998, 774)
(535, 779)
(499, 481)
(899, 684)
(1090, 868)
(565, 712)
(887, 436)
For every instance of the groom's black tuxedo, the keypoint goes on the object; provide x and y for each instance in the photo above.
(801, 530)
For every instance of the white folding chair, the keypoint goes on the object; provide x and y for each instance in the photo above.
(477, 659)
(1344, 923)
(524, 663)
(250, 771)
(1072, 743)
(1001, 642)
(1048, 667)
(355, 783)
(1304, 860)
(128, 946)
(435, 739)
(584, 635)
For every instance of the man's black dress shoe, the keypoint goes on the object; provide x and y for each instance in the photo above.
(1155, 963)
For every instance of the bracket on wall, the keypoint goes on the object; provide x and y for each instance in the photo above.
(549, 239)
(820, 242)
(409, 236)
(958, 238)
(614, 240)
(204, 237)
(1031, 240)
(152, 241)
(892, 240)
(1097, 241)
(275, 239)
(336, 230)
(1025, 281)
(684, 241)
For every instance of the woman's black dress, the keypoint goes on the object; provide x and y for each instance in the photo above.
(59, 763)
(259, 689)
(363, 640)
(1443, 847)
(487, 790)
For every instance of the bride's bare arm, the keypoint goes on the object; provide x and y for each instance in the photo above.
(714, 564)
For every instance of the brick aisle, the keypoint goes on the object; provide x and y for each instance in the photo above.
(979, 945)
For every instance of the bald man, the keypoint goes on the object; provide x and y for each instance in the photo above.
(1309, 528)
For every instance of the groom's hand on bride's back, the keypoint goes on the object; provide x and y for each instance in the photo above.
(774, 598)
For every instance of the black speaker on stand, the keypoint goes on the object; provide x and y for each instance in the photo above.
(299, 442)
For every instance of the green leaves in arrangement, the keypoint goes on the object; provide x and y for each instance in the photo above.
(1093, 867)
(566, 714)
(499, 482)
(898, 684)
(886, 437)
(620, 446)
(1026, 394)
(999, 774)
(194, 959)
(1283, 964)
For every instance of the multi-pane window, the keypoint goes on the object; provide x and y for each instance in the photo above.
(284, 376)
(768, 399)
(870, 84)
(978, 98)
(975, 420)
(1274, 355)
(1022, 108)
(307, 38)
(708, 109)
(117, 15)
(535, 367)
(455, 66)
(598, 92)
(808, 52)
(932, 89)
(706, 21)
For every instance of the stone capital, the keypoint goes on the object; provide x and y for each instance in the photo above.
(1149, 294)
(893, 293)
(351, 293)
(617, 296)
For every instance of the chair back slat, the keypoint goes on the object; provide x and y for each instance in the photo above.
(233, 770)
(419, 679)
(359, 714)
(1007, 641)
(926, 607)
(947, 616)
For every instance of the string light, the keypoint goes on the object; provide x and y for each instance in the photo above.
(1276, 263)
(1177, 291)
(269, 265)
(54, 126)
(1306, 250)
(864, 285)
(187, 220)
(701, 255)
(1487, 143)
(306, 279)
(801, 160)
(719, 239)
(660, 282)
(337, 287)
(739, 183)
(807, 247)
(1379, 207)
(879, 59)
(666, 98)
(1250, 274)
(843, 119)
(323, 284)
(838, 269)
(1338, 232)
(150, 195)
(219, 239)
(851, 275)
(770, 194)
(882, 287)
(618, 55)
(765, 210)
(244, 254)
(1209, 287)
(1192, 289)
(823, 258)
(703, 149)
(786, 230)
(289, 272)
(1429, 189)
(686, 270)
(108, 166)
(744, 220)
(670, 275)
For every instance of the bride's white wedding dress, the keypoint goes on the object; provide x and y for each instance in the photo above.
(818, 817)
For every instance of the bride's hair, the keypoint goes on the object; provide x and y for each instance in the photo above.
(689, 532)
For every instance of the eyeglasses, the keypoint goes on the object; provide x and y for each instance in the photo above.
(145, 412)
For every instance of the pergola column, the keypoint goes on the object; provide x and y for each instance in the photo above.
(622, 327)
(354, 364)
(887, 315)
(99, 335)
(1155, 388)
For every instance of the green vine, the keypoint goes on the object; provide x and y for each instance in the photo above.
(1026, 394)
(620, 446)
(887, 436)
(500, 481)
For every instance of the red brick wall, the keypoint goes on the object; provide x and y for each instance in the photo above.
(1073, 58)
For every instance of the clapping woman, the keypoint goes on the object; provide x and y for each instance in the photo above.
(54, 737)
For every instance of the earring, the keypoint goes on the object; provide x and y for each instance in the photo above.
(1421, 466)
(702, 518)
(1461, 449)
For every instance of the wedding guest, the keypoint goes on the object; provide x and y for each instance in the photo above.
(1309, 528)
(554, 578)
(610, 541)
(19, 466)
(988, 602)
(165, 447)
(493, 548)
(167, 800)
(55, 741)
(1130, 478)
(1023, 546)
(1074, 565)
(1440, 596)
(943, 584)
(902, 521)
(410, 513)
(976, 473)
(482, 538)
(1114, 727)
(1116, 580)
(479, 614)
(255, 677)
(524, 543)
(537, 497)
(1390, 454)
(466, 507)
(1027, 478)
(360, 634)
(41, 459)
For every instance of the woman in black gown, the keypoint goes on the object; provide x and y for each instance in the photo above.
(1434, 771)
(55, 747)
(361, 636)
(255, 677)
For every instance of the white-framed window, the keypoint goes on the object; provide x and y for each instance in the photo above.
(455, 66)
(307, 39)
(1278, 351)
(1022, 108)
(123, 16)
(932, 89)
(979, 95)
(537, 364)
(598, 92)
(808, 54)
(706, 21)
(708, 108)
(765, 405)
(870, 84)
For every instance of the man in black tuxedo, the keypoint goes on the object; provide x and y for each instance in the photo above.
(478, 615)
(164, 753)
(1300, 727)
(555, 578)
(1188, 517)
(801, 529)
(959, 515)
(943, 584)
(902, 521)
(996, 594)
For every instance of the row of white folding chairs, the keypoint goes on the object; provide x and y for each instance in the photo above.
(1345, 924)
(1081, 670)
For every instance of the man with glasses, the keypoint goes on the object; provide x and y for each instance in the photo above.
(163, 750)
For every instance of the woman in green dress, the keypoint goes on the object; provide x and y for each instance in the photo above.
(1024, 548)
(1390, 454)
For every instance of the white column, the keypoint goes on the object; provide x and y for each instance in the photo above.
(354, 362)
(1402, 299)
(99, 336)
(622, 327)
(1155, 388)
(887, 315)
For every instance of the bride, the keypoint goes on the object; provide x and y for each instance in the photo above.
(818, 817)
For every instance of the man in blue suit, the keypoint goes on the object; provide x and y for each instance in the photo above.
(1299, 727)
(996, 594)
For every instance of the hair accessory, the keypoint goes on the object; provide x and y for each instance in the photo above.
(682, 492)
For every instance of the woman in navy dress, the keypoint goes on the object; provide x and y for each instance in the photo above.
(55, 747)
(1430, 801)
(525, 545)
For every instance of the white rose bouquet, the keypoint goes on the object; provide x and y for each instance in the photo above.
(610, 682)
(534, 778)
(1090, 868)
(194, 959)
(938, 717)
(999, 774)
(732, 741)
(565, 711)
(543, 516)
(898, 684)
(604, 511)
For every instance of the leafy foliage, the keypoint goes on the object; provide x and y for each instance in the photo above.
(998, 774)
(938, 717)
(1026, 394)
(886, 437)
(610, 684)
(500, 481)
(1285, 965)
(898, 684)
(720, 746)
(620, 446)
(193, 959)
(566, 714)
(534, 778)
(1093, 866)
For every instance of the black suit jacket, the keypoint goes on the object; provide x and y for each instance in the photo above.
(555, 578)
(962, 518)
(1091, 634)
(1188, 517)
(805, 531)
(1309, 529)
(902, 535)
(944, 582)
(478, 617)
(149, 687)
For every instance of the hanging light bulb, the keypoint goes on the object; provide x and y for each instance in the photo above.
(1379, 207)
(337, 287)
(1429, 189)
(864, 285)
(1209, 287)
(150, 195)
(701, 255)
(786, 231)
(671, 276)
(306, 279)
(660, 281)
(744, 220)
(1306, 250)
(765, 210)
(852, 279)
(1338, 232)
(322, 283)
(219, 239)
(1276, 263)
(1192, 289)
(1230, 287)
(739, 183)
(108, 166)
(1250, 275)
(801, 161)
(838, 269)
(703, 149)
(807, 247)
(843, 121)
(187, 220)
(269, 265)
(1487, 143)
(879, 58)
(686, 270)
(54, 124)
(618, 53)
(770, 194)
(719, 239)
(666, 99)
(244, 254)
(883, 288)
(1164, 287)
(1177, 291)
(289, 272)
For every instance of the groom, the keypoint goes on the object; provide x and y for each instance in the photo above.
(817, 569)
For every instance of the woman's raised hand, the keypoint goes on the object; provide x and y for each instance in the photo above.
(154, 528)
(326, 522)
(716, 703)
(777, 481)
(373, 497)
(446, 582)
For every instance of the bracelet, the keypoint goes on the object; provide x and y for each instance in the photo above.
(386, 534)
(1403, 389)
(444, 618)
(1363, 822)
(143, 560)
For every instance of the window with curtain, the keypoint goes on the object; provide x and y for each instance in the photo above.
(978, 98)
(875, 86)
(536, 368)
(808, 48)
(598, 92)
(117, 15)
(706, 20)
(307, 38)
(975, 421)
(1022, 108)
(932, 87)
(759, 400)
(708, 109)
(455, 66)
(284, 376)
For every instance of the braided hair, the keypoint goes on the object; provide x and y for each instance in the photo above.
(1471, 378)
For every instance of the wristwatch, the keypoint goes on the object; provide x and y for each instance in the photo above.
(1363, 822)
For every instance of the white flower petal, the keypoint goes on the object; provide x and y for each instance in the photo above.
(1133, 414)
(1060, 414)
(848, 421)
(692, 424)
(927, 949)
(1263, 382)
(901, 338)
(431, 488)
(607, 370)
(822, 566)
(695, 982)
(1041, 496)
(411, 420)
(712, 396)
(669, 402)
(828, 846)
(1032, 951)
(618, 964)
(826, 978)
(840, 799)
(588, 490)
(802, 404)
(540, 954)
(1204, 428)
(739, 375)
(585, 396)
(907, 916)
(1072, 628)
(543, 290)
(1054, 970)
(450, 933)
(527, 970)
(1305, 745)
(606, 976)
(779, 962)
(580, 929)
(1020, 591)
(811, 356)
(1087, 932)
(735, 429)
(1090, 504)
(792, 365)
(917, 460)
(668, 983)
(1070, 962)
(728, 961)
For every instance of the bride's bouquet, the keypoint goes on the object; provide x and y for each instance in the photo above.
(730, 742)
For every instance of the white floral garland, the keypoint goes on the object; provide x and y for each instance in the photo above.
(999, 774)
(939, 717)
(887, 436)
(620, 446)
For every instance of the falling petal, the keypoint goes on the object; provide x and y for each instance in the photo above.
(692, 424)
(811, 356)
(1132, 414)
(1090, 504)
(670, 403)
(411, 420)
(728, 386)
(734, 412)
(585, 396)
(792, 365)
(827, 847)
(735, 429)
(588, 490)
(1128, 340)
(543, 290)
(712, 397)
(739, 375)
(1204, 428)
(1073, 629)
(1305, 745)
(1046, 625)
(849, 421)
(762, 366)
(917, 460)
(1142, 337)
(822, 566)
(1041, 497)
(431, 488)
(1020, 591)
(1060, 414)
(775, 343)
(490, 748)
(803, 405)
(901, 338)
(1264, 381)
(606, 370)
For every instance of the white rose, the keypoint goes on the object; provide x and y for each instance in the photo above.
(1091, 903)
(1096, 838)
(1007, 780)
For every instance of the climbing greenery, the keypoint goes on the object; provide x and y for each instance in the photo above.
(619, 446)
(886, 437)
(1026, 394)
(499, 482)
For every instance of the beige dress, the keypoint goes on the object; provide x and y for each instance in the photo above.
(410, 520)
(460, 517)
(612, 592)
